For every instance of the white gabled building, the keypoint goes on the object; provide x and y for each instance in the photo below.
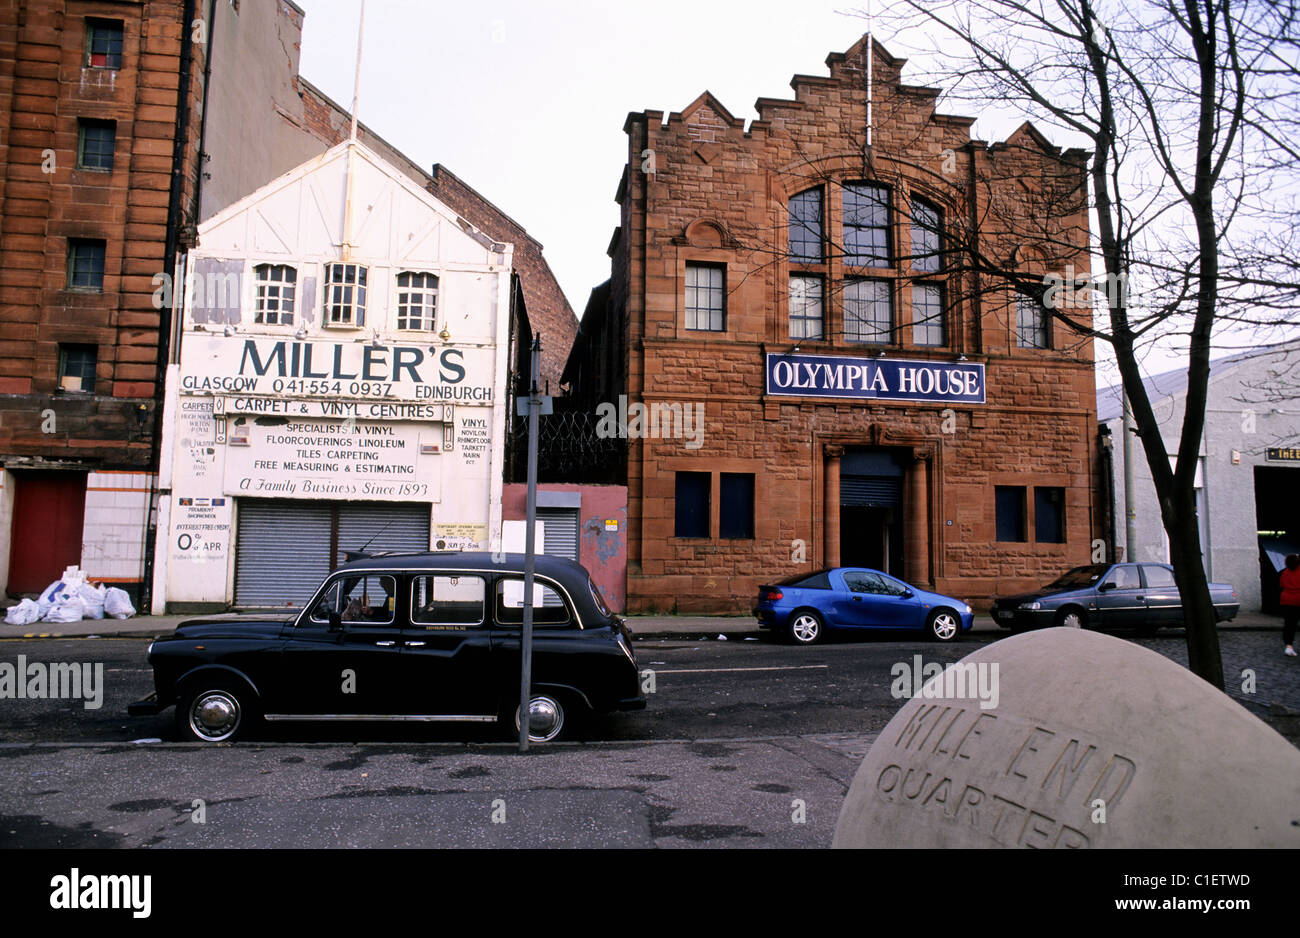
(340, 382)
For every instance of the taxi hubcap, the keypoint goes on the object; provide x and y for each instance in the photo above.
(214, 715)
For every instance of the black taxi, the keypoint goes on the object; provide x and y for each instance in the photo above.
(429, 637)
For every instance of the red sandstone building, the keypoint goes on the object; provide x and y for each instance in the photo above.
(863, 326)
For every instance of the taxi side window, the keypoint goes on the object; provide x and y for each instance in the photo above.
(360, 600)
(549, 608)
(447, 601)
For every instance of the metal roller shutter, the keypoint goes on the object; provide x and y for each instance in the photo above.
(282, 547)
(871, 492)
(385, 527)
(281, 552)
(560, 536)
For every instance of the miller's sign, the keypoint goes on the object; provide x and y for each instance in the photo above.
(886, 379)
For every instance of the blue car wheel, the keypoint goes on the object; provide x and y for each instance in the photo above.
(805, 627)
(944, 625)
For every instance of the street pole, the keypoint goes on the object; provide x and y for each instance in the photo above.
(530, 548)
(1130, 512)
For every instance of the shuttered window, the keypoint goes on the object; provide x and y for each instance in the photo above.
(560, 534)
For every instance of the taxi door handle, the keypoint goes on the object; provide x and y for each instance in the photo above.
(385, 644)
(415, 644)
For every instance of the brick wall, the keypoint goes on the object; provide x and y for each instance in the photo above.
(45, 199)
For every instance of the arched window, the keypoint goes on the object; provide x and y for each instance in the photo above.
(927, 239)
(806, 227)
(276, 285)
(417, 300)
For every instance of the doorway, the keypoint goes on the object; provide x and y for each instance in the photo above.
(49, 516)
(871, 509)
(1277, 525)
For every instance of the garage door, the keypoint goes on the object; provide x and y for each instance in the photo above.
(283, 548)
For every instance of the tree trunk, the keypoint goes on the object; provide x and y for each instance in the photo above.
(1203, 657)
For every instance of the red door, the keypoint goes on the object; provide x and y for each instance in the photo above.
(49, 511)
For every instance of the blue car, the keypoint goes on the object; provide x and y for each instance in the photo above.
(806, 606)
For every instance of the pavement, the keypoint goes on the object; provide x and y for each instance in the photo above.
(643, 627)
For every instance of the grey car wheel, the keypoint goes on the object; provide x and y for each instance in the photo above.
(1070, 618)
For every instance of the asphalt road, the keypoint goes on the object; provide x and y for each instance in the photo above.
(744, 743)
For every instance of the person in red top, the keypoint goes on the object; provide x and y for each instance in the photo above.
(1290, 601)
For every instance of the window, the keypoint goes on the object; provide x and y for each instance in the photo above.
(417, 300)
(692, 504)
(926, 242)
(276, 285)
(806, 308)
(806, 227)
(447, 600)
(104, 43)
(1031, 322)
(866, 225)
(865, 581)
(360, 600)
(1010, 507)
(95, 143)
(818, 581)
(736, 505)
(868, 311)
(705, 289)
(1049, 515)
(1124, 577)
(77, 367)
(1158, 577)
(549, 608)
(927, 314)
(345, 295)
(86, 265)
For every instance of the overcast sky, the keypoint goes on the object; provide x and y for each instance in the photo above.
(526, 101)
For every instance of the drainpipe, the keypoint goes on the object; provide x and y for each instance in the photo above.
(175, 197)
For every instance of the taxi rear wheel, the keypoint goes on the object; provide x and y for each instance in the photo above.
(550, 718)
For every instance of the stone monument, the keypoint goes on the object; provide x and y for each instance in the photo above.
(1092, 741)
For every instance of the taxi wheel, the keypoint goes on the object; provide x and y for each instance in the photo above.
(944, 625)
(547, 719)
(214, 713)
(806, 627)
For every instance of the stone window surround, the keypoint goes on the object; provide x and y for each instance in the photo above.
(764, 527)
(835, 273)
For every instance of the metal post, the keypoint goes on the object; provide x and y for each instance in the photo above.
(530, 545)
(1130, 511)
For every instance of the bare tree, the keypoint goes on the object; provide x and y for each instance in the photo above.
(1189, 109)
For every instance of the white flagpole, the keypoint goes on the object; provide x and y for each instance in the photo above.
(869, 70)
(352, 141)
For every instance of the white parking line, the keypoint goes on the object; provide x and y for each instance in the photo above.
(793, 667)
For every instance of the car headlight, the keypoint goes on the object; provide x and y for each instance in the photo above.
(1031, 605)
(969, 610)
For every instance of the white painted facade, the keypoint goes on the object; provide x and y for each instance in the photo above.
(320, 409)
